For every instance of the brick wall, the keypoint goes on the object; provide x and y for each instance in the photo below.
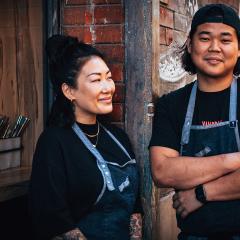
(101, 23)
(175, 18)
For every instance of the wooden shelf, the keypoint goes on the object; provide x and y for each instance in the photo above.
(14, 183)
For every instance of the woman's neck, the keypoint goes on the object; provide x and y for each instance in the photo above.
(86, 119)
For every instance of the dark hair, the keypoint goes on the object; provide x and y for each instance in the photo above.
(210, 13)
(66, 56)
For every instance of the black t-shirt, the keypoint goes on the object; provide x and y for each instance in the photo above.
(66, 181)
(170, 111)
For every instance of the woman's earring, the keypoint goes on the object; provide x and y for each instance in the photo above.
(73, 106)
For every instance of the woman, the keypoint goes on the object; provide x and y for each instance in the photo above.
(84, 182)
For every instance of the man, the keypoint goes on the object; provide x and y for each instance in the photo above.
(195, 140)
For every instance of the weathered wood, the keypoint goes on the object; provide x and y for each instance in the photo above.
(53, 9)
(139, 93)
(21, 68)
(155, 93)
(21, 82)
(14, 183)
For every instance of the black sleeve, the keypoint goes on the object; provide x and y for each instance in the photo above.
(47, 193)
(138, 204)
(164, 126)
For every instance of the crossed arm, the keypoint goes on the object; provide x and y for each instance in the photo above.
(219, 174)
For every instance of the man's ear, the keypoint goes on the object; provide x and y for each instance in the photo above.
(68, 92)
(189, 45)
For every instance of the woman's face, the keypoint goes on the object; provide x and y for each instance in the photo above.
(94, 91)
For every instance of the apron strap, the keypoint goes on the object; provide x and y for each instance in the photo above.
(233, 101)
(190, 110)
(189, 116)
(101, 163)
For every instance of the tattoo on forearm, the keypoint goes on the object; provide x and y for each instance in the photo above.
(136, 226)
(75, 234)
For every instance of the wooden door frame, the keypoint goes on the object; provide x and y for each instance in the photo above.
(142, 78)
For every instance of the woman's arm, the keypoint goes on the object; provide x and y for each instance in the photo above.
(74, 234)
(136, 226)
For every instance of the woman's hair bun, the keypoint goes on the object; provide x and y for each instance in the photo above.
(57, 45)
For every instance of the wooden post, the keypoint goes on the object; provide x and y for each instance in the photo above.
(139, 69)
(53, 10)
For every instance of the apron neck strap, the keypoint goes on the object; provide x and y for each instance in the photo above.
(189, 115)
(191, 105)
(233, 101)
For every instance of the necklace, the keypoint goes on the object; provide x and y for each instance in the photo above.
(95, 145)
(93, 135)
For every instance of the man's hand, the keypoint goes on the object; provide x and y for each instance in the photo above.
(185, 202)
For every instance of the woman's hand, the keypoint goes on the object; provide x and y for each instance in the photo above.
(136, 226)
(74, 234)
(185, 202)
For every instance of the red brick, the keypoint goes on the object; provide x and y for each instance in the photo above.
(181, 22)
(113, 53)
(77, 16)
(109, 34)
(162, 35)
(119, 94)
(76, 2)
(106, 1)
(108, 14)
(82, 33)
(169, 36)
(117, 114)
(117, 71)
(166, 17)
(236, 4)
(178, 7)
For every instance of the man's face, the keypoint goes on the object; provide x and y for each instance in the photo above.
(214, 50)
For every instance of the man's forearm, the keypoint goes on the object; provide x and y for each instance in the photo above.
(224, 188)
(180, 172)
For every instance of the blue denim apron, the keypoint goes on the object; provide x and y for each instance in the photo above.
(109, 218)
(220, 219)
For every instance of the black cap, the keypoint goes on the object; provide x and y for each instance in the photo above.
(216, 13)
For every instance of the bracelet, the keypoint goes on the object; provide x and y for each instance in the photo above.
(200, 194)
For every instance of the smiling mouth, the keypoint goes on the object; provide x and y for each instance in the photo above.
(213, 60)
(106, 100)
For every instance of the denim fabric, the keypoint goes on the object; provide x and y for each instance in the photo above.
(109, 218)
(220, 216)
